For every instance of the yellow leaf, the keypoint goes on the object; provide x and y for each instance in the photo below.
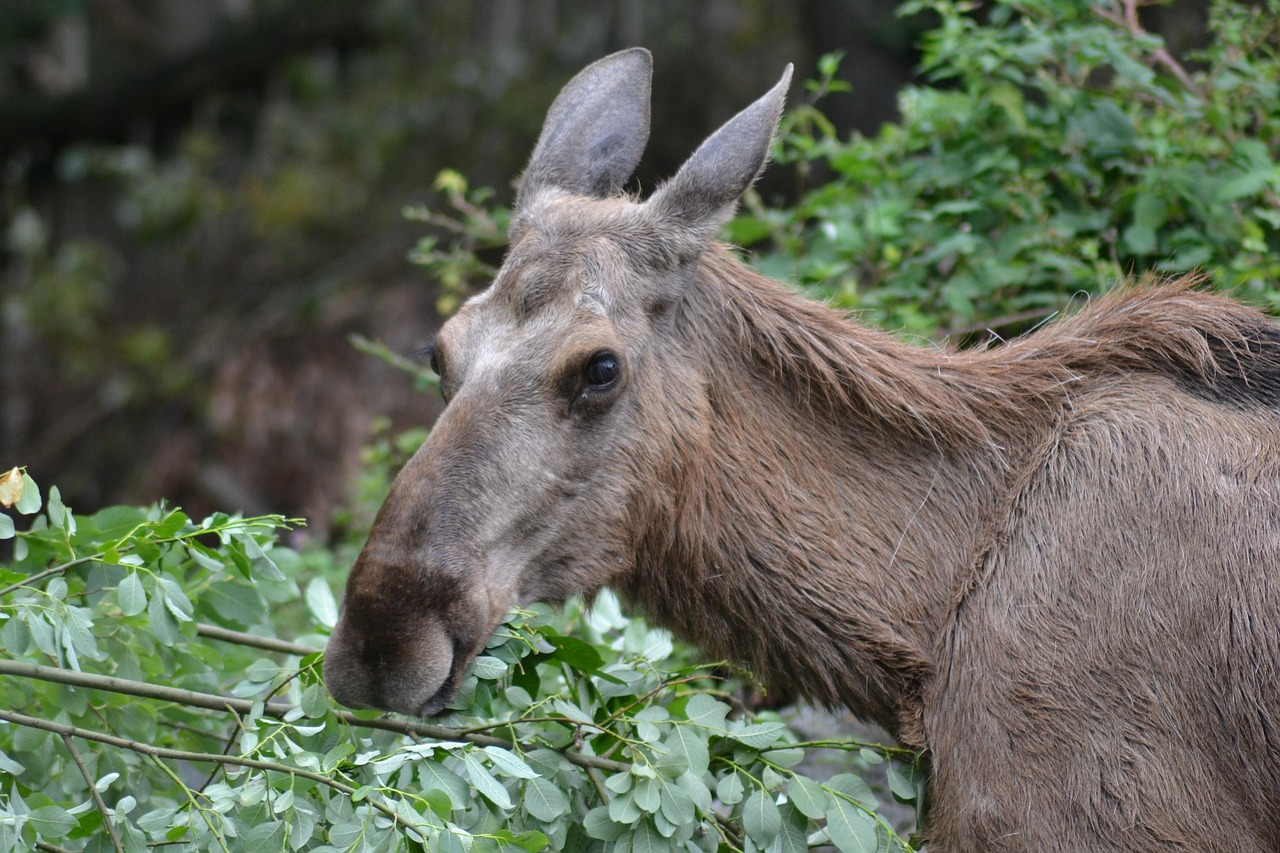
(10, 487)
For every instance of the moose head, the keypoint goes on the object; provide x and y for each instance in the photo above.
(568, 391)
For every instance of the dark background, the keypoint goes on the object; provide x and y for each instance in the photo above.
(202, 199)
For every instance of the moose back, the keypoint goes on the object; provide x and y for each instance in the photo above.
(1054, 564)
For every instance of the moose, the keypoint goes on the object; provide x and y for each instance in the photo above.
(1054, 563)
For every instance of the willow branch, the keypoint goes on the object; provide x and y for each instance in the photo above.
(275, 710)
(159, 752)
(48, 573)
(270, 644)
(94, 792)
(1128, 19)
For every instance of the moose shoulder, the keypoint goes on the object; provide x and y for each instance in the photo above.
(1055, 564)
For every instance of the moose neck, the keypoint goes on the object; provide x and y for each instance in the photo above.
(823, 502)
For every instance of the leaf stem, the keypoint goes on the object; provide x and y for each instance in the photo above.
(94, 792)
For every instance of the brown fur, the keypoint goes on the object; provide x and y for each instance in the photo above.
(1051, 563)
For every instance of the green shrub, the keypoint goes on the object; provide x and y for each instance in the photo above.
(149, 703)
(1063, 150)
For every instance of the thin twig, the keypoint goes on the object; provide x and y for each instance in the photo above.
(50, 572)
(270, 644)
(160, 752)
(51, 848)
(1129, 20)
(275, 710)
(94, 792)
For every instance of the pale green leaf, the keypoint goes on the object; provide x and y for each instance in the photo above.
(29, 503)
(708, 712)
(853, 787)
(485, 782)
(851, 829)
(760, 817)
(544, 800)
(759, 735)
(599, 825)
(321, 603)
(131, 595)
(175, 598)
(507, 763)
(808, 797)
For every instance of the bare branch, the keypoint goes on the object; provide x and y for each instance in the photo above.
(270, 644)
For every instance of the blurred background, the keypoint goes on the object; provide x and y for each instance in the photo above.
(202, 200)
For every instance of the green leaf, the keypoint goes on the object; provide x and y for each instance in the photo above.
(175, 598)
(544, 800)
(599, 825)
(530, 840)
(794, 837)
(131, 595)
(730, 790)
(850, 828)
(485, 782)
(647, 839)
(29, 503)
(808, 797)
(509, 764)
(761, 818)
(854, 788)
(708, 712)
(648, 795)
(623, 809)
(314, 701)
(901, 785)
(677, 804)
(266, 838)
(759, 735)
(7, 530)
(321, 604)
(488, 667)
(162, 623)
(204, 557)
(8, 765)
(52, 821)
(573, 712)
(577, 653)
(1242, 185)
(689, 746)
(263, 565)
(59, 516)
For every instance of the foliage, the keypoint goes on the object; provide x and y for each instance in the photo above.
(147, 703)
(1063, 148)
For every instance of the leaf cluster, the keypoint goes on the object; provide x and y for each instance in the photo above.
(149, 703)
(1059, 147)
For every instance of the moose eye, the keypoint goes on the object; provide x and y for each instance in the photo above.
(602, 370)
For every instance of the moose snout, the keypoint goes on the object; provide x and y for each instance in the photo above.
(412, 675)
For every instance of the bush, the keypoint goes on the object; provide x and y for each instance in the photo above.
(149, 702)
(1066, 149)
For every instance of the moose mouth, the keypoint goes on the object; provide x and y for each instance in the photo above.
(435, 705)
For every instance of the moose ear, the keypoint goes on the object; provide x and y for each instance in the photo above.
(595, 131)
(703, 194)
